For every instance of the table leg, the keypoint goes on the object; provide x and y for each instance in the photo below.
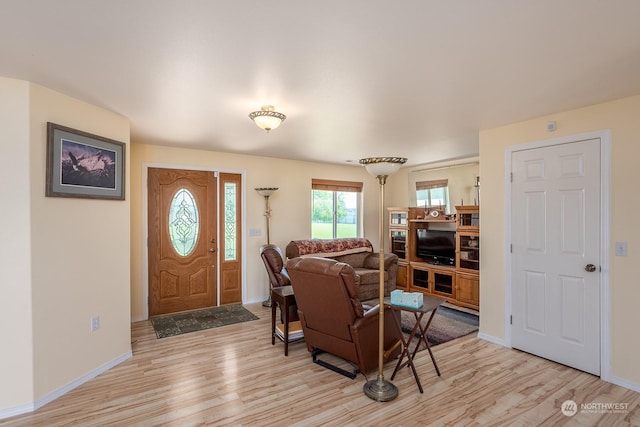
(423, 338)
(273, 320)
(406, 352)
(286, 326)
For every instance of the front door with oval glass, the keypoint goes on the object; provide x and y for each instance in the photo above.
(182, 240)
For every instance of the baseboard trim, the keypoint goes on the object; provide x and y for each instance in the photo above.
(17, 410)
(492, 339)
(50, 397)
(622, 382)
(608, 378)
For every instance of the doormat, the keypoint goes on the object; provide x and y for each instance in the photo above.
(170, 325)
(448, 324)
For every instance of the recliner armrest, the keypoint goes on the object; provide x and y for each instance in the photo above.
(372, 311)
(370, 317)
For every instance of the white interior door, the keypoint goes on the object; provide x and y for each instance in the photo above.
(555, 196)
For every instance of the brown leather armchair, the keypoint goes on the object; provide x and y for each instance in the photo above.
(272, 257)
(332, 317)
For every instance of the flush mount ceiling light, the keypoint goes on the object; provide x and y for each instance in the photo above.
(267, 118)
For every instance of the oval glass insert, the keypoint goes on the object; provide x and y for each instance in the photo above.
(183, 222)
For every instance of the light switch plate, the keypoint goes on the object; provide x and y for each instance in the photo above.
(621, 248)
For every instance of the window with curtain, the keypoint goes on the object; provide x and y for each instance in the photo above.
(335, 209)
(433, 194)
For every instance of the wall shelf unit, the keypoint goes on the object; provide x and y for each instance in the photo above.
(468, 256)
(459, 283)
(398, 233)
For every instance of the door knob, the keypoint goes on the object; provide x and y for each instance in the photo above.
(213, 240)
(590, 268)
(212, 250)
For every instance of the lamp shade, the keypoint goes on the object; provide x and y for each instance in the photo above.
(382, 166)
(267, 118)
(266, 191)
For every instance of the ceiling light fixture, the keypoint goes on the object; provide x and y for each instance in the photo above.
(267, 118)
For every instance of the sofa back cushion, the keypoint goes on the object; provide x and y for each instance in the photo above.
(355, 260)
(327, 247)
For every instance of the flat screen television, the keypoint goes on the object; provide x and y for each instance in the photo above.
(436, 246)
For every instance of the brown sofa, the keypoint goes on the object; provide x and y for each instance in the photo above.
(359, 254)
(332, 317)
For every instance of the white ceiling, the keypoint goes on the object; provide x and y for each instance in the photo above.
(360, 78)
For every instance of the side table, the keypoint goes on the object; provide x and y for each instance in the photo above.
(431, 304)
(282, 296)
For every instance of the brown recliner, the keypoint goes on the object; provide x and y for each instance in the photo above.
(332, 317)
(272, 257)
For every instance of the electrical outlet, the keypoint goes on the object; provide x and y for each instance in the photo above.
(95, 323)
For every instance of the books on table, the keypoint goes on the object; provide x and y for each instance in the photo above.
(295, 331)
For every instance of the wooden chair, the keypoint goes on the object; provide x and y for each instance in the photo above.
(273, 261)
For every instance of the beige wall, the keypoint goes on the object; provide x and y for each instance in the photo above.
(622, 118)
(291, 204)
(461, 178)
(73, 258)
(16, 357)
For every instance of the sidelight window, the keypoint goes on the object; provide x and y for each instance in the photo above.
(230, 221)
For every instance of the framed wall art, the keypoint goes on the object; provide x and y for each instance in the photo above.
(80, 164)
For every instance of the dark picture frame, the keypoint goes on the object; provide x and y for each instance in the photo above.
(83, 165)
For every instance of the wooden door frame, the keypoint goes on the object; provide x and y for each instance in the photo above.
(145, 225)
(605, 224)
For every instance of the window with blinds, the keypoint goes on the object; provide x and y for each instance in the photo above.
(433, 194)
(335, 209)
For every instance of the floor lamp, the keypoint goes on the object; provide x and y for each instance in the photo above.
(266, 192)
(381, 167)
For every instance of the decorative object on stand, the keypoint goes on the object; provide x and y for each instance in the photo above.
(267, 118)
(380, 389)
(477, 187)
(266, 192)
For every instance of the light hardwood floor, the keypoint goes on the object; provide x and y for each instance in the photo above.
(234, 376)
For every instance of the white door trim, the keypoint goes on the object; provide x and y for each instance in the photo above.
(145, 227)
(605, 208)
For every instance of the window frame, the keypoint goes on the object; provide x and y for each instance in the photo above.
(336, 187)
(429, 186)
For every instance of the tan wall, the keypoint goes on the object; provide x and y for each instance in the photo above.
(461, 178)
(621, 117)
(291, 204)
(16, 358)
(70, 257)
(80, 255)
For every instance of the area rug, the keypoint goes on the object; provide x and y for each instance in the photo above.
(448, 324)
(181, 323)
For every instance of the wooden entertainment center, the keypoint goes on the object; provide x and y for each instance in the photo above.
(459, 283)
